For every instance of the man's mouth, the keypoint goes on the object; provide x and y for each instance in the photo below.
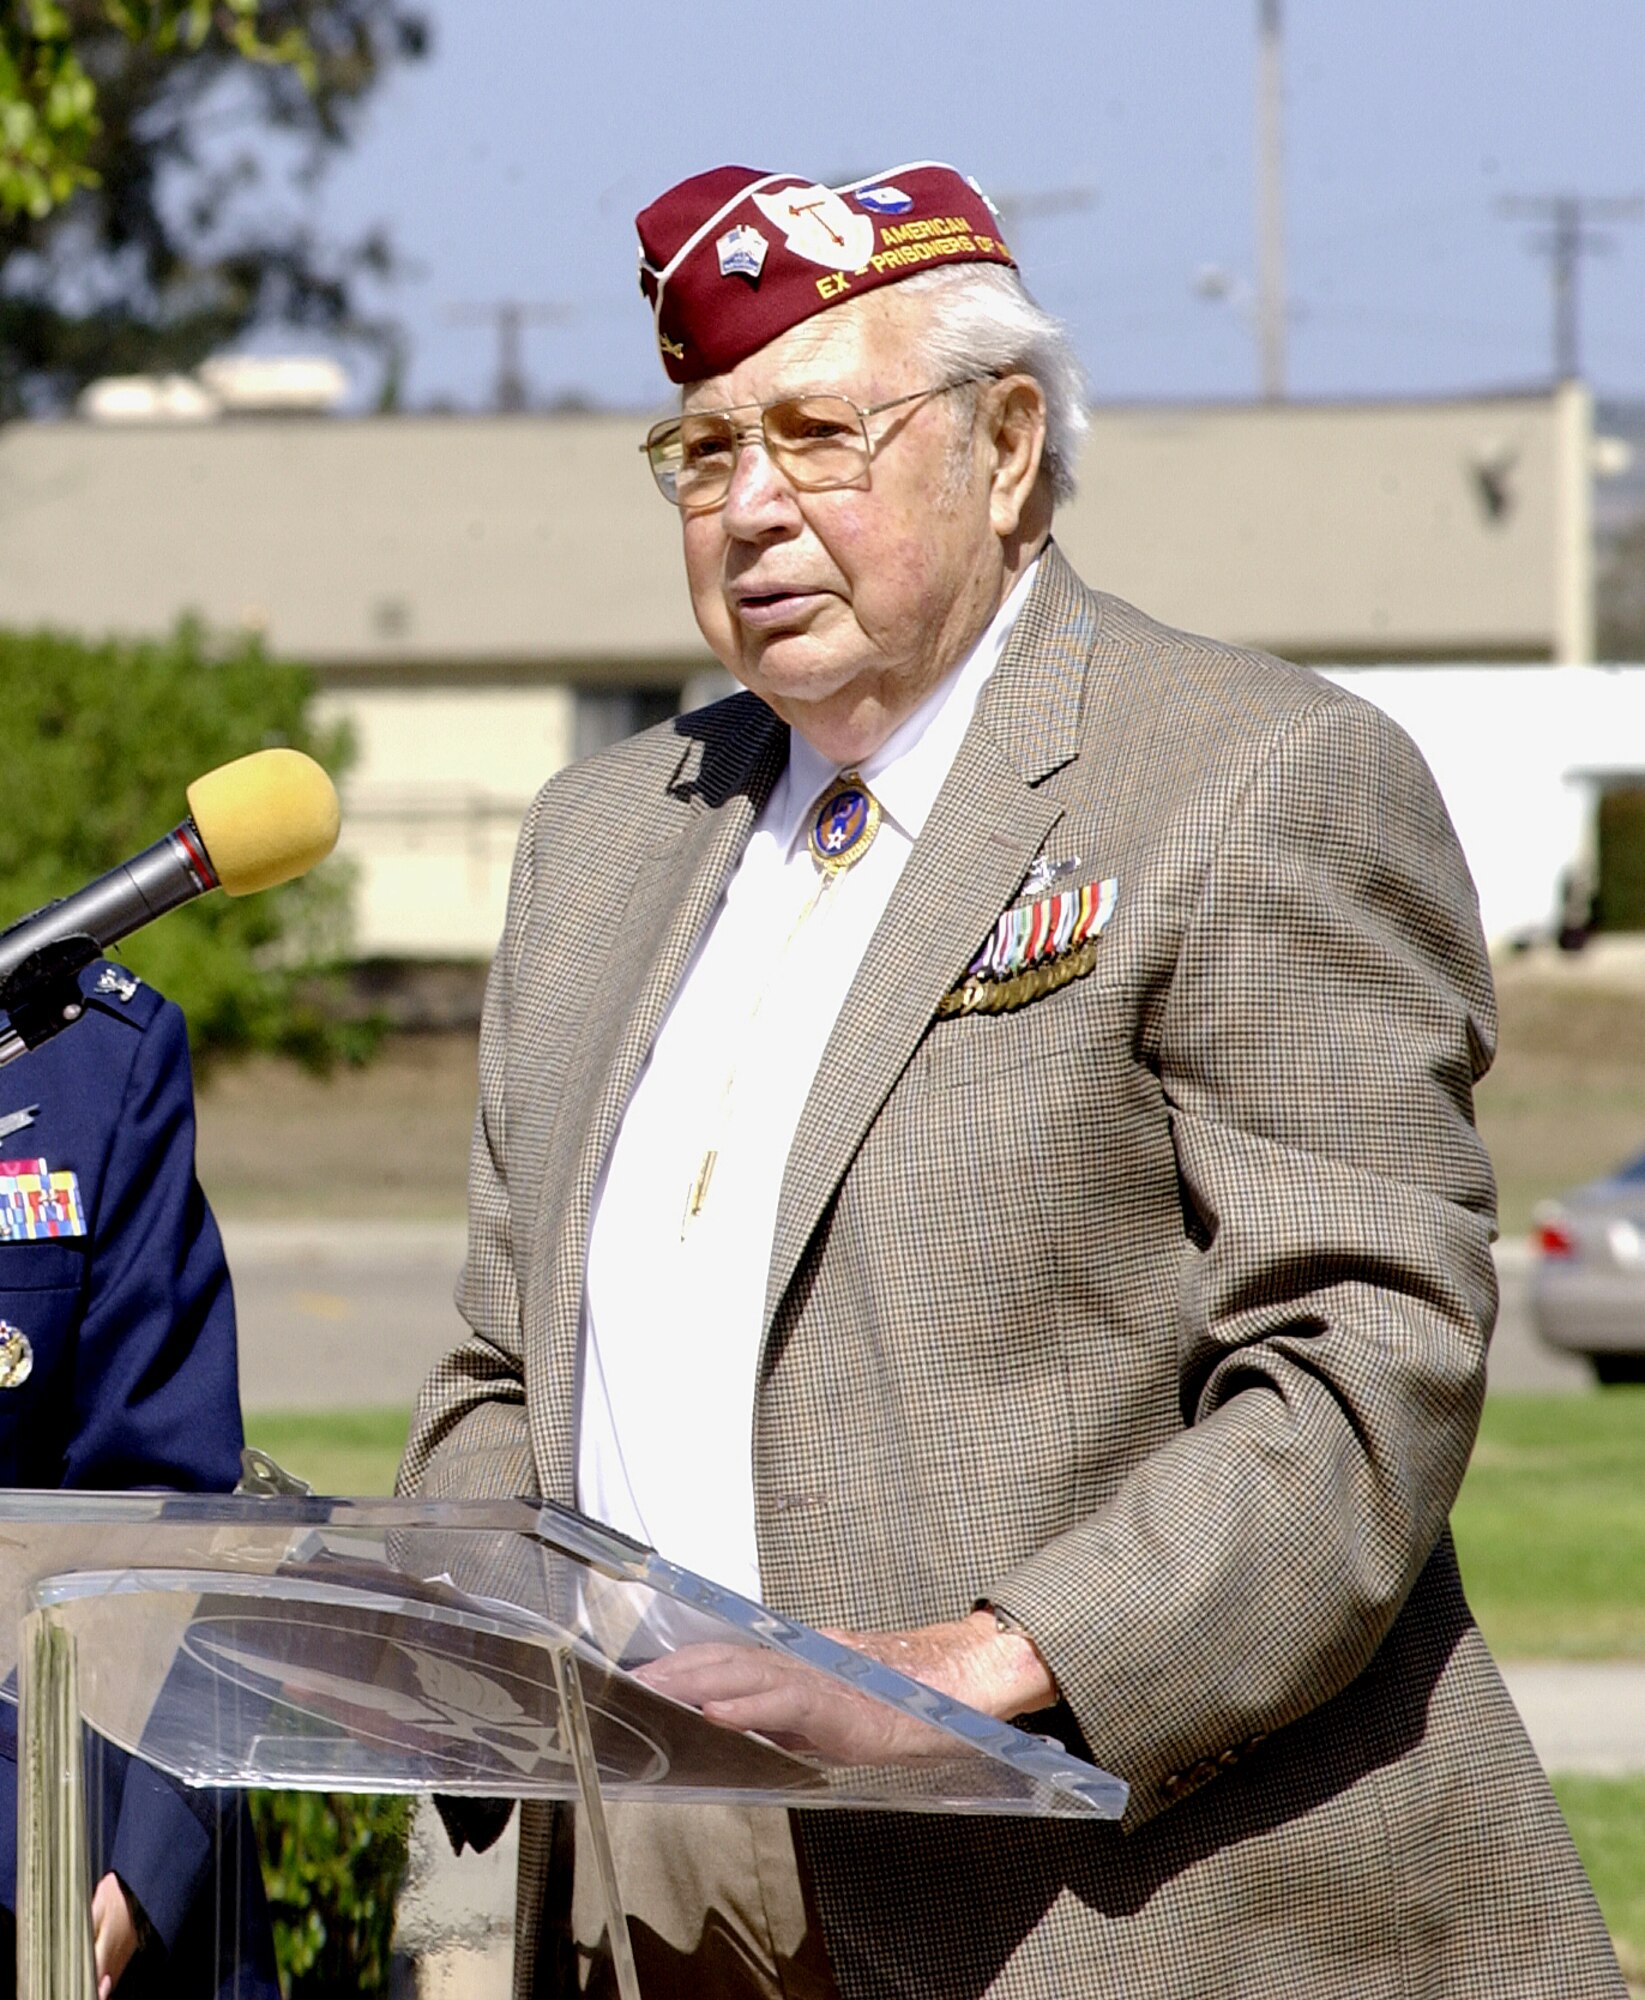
(772, 607)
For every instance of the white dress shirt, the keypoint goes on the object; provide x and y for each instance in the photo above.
(674, 1305)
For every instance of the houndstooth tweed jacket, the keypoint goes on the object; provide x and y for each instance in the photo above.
(1153, 1310)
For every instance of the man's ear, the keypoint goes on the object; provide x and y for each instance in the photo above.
(1015, 417)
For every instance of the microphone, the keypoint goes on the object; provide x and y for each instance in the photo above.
(252, 824)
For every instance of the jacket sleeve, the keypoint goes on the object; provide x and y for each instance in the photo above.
(468, 1432)
(1329, 1013)
(156, 1385)
(165, 1843)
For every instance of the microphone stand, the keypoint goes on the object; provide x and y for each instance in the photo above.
(40, 997)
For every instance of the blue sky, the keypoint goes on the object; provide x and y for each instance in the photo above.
(511, 163)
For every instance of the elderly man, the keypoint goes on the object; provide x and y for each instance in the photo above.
(976, 1149)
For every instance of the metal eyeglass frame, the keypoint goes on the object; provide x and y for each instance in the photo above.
(745, 433)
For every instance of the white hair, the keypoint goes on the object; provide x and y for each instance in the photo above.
(981, 321)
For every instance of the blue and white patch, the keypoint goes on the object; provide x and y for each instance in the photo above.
(885, 199)
(742, 252)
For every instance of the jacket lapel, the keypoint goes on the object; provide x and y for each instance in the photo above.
(988, 823)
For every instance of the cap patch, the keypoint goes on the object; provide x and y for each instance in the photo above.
(886, 200)
(820, 227)
(742, 252)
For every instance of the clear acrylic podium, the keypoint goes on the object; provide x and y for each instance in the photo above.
(488, 1649)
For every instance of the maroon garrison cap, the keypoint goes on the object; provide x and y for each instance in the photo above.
(731, 258)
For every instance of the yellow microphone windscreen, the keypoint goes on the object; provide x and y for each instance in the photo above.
(264, 818)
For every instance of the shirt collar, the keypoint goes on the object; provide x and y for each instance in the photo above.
(907, 771)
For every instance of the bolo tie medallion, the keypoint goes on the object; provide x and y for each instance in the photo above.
(844, 825)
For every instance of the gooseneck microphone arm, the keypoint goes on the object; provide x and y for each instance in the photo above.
(173, 871)
(43, 955)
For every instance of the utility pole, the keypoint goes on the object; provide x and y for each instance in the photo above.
(511, 392)
(1565, 242)
(1271, 297)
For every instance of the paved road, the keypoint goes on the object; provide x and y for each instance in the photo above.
(1582, 1715)
(1519, 1360)
(338, 1315)
(334, 1314)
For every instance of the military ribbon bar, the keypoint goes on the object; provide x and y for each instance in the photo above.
(1034, 932)
(36, 1203)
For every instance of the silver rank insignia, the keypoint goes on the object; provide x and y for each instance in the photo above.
(1046, 874)
(16, 1356)
(121, 984)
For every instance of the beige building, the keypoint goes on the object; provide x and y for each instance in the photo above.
(487, 597)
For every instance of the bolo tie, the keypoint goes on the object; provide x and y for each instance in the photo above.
(844, 823)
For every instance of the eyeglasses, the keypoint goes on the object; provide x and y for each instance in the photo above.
(819, 442)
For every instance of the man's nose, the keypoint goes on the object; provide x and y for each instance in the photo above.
(759, 499)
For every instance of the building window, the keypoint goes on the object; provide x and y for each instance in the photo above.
(605, 715)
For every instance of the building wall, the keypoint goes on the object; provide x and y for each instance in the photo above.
(538, 546)
(433, 805)
(1336, 531)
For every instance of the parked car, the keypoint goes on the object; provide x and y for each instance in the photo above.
(1588, 1276)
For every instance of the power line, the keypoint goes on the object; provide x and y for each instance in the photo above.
(1566, 241)
(511, 392)
(1017, 206)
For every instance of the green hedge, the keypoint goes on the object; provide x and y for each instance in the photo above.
(333, 1864)
(98, 744)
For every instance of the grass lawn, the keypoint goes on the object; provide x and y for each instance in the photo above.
(1607, 1820)
(1550, 1525)
(349, 1451)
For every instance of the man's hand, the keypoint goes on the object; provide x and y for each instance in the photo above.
(751, 1688)
(113, 1934)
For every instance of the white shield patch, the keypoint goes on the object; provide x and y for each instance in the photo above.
(818, 226)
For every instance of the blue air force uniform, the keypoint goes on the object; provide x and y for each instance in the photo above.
(118, 1369)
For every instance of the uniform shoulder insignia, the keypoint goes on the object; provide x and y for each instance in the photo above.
(119, 995)
(115, 980)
